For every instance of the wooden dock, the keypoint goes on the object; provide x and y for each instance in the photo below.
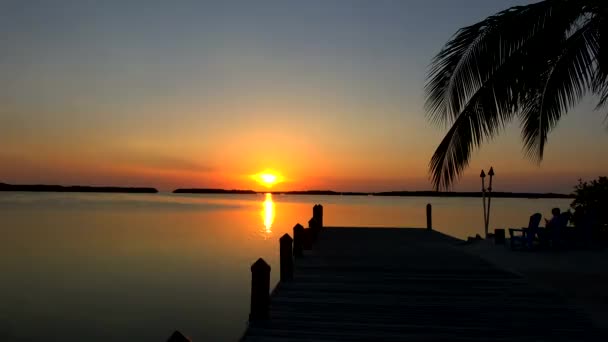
(383, 284)
(398, 284)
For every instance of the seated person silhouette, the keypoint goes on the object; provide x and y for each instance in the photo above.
(555, 220)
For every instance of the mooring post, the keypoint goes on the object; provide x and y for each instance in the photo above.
(298, 240)
(313, 226)
(260, 290)
(499, 236)
(286, 256)
(319, 215)
(429, 217)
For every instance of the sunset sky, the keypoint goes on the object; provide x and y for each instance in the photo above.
(199, 94)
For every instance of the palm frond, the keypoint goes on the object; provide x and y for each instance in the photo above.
(562, 81)
(535, 60)
(484, 115)
(474, 53)
(600, 81)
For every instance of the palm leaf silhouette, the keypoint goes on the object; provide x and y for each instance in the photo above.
(530, 62)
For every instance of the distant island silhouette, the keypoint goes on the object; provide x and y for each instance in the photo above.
(322, 192)
(74, 188)
(150, 190)
(497, 194)
(214, 191)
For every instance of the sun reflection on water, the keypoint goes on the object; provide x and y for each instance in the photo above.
(268, 213)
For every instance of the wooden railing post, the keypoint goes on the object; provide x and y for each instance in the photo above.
(286, 256)
(298, 240)
(178, 337)
(260, 290)
(317, 213)
(429, 217)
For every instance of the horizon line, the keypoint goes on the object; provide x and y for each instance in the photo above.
(127, 189)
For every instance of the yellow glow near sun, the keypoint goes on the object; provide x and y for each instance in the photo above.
(268, 178)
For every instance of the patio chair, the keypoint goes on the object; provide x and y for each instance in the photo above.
(524, 237)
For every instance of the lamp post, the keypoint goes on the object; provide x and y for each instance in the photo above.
(483, 198)
(491, 174)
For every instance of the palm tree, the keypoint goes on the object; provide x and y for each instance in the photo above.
(532, 62)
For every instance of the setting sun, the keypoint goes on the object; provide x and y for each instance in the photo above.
(268, 178)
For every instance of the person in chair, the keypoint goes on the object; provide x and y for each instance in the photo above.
(554, 221)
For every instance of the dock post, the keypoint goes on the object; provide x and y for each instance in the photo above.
(320, 217)
(313, 226)
(429, 217)
(317, 213)
(260, 290)
(178, 337)
(286, 256)
(298, 240)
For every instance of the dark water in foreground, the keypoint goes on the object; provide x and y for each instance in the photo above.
(127, 267)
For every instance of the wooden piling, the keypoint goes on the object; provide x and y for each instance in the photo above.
(317, 213)
(313, 226)
(298, 240)
(429, 217)
(286, 256)
(260, 290)
(320, 216)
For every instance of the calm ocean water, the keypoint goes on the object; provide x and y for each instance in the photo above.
(130, 267)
